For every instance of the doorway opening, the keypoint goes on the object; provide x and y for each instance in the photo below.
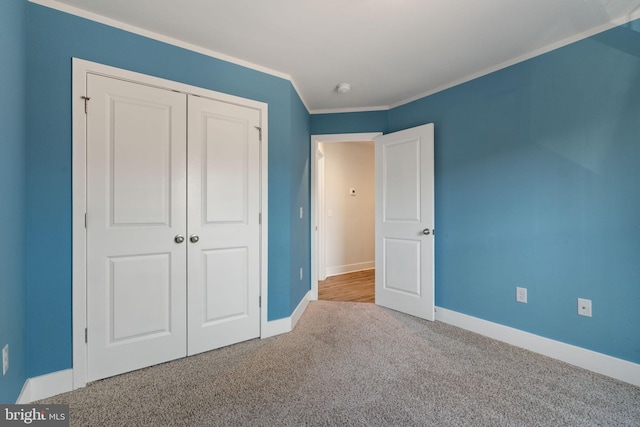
(343, 217)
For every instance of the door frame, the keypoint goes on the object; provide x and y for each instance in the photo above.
(80, 69)
(317, 233)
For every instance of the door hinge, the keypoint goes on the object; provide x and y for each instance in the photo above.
(86, 335)
(259, 132)
(85, 220)
(260, 301)
(86, 103)
(260, 218)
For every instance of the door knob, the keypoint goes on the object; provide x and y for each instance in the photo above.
(426, 231)
(179, 238)
(194, 238)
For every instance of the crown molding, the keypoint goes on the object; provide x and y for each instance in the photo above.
(53, 4)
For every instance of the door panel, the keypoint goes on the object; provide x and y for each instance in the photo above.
(127, 290)
(136, 204)
(227, 284)
(140, 171)
(401, 262)
(225, 169)
(224, 204)
(404, 210)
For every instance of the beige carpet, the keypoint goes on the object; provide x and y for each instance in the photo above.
(358, 364)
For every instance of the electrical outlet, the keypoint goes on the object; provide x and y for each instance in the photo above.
(5, 359)
(521, 295)
(584, 307)
(300, 273)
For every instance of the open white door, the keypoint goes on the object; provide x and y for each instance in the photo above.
(404, 221)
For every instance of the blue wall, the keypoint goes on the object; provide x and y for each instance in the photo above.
(53, 38)
(537, 171)
(363, 122)
(13, 305)
(300, 190)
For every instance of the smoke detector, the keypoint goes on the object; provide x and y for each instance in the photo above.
(343, 88)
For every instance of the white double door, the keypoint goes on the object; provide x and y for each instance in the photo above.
(173, 232)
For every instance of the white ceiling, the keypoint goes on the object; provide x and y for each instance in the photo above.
(391, 51)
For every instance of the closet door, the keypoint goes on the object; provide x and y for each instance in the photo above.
(136, 208)
(224, 229)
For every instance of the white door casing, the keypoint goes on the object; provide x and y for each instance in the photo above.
(405, 221)
(136, 205)
(224, 209)
(320, 215)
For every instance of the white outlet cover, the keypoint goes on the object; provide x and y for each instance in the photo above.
(521, 295)
(5, 359)
(584, 307)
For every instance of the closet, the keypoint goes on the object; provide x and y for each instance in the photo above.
(173, 188)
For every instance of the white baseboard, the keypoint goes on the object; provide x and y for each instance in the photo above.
(350, 268)
(613, 367)
(282, 326)
(44, 386)
(48, 385)
(297, 313)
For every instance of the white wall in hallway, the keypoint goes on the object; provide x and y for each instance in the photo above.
(349, 219)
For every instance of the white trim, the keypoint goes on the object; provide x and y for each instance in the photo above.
(79, 241)
(45, 386)
(315, 140)
(300, 309)
(79, 300)
(264, 227)
(597, 362)
(321, 203)
(349, 110)
(345, 137)
(283, 326)
(350, 268)
(54, 4)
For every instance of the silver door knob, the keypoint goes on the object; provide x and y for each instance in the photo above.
(179, 238)
(194, 238)
(426, 231)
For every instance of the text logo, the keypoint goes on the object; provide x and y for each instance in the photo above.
(34, 415)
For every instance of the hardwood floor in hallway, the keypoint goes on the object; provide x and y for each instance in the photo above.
(354, 287)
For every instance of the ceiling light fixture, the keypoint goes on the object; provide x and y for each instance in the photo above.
(343, 88)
